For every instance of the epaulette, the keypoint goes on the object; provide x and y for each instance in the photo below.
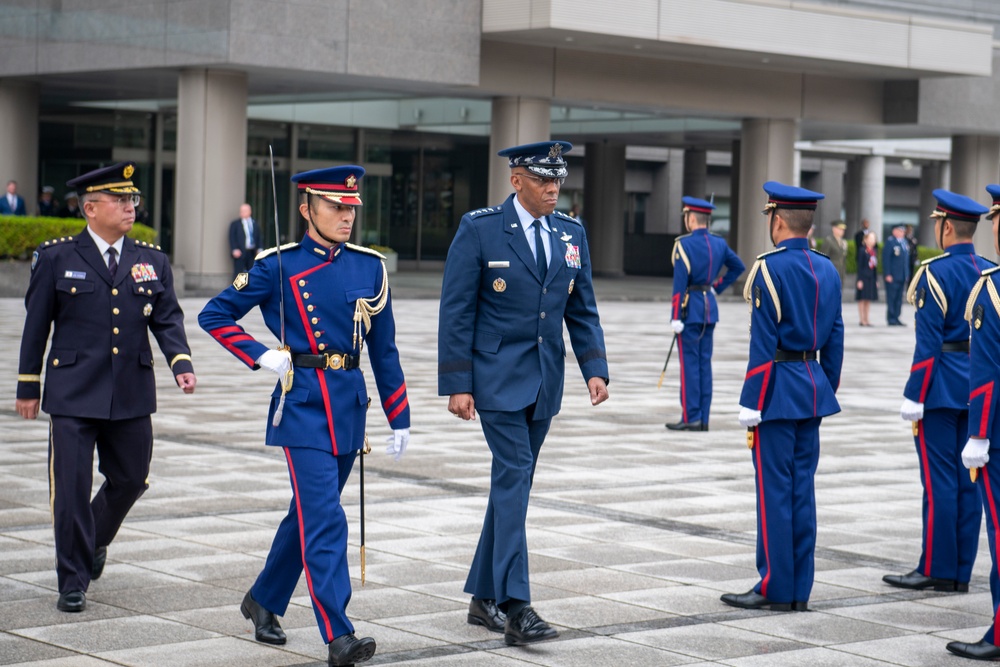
(819, 252)
(361, 248)
(61, 239)
(682, 236)
(565, 216)
(935, 258)
(151, 246)
(484, 211)
(990, 272)
(770, 252)
(271, 251)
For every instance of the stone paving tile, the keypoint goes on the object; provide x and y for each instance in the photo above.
(710, 641)
(19, 650)
(115, 634)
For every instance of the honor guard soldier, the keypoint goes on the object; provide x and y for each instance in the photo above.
(796, 351)
(983, 313)
(698, 259)
(936, 399)
(105, 293)
(514, 273)
(896, 268)
(335, 301)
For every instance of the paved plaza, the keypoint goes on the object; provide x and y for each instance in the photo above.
(634, 530)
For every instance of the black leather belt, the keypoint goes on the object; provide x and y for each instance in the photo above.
(331, 360)
(961, 346)
(788, 355)
(699, 288)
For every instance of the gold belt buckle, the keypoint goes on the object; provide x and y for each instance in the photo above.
(334, 361)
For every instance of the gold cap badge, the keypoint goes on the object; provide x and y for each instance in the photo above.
(128, 171)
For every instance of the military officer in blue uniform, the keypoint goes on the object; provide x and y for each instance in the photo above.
(336, 301)
(796, 352)
(982, 310)
(936, 399)
(105, 293)
(698, 259)
(896, 269)
(514, 273)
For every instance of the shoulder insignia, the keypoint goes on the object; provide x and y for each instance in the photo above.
(935, 258)
(271, 251)
(991, 271)
(911, 291)
(987, 259)
(361, 248)
(150, 246)
(682, 236)
(566, 217)
(770, 252)
(484, 211)
(242, 280)
(820, 253)
(752, 292)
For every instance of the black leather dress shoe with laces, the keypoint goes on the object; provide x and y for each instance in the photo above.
(688, 426)
(753, 600)
(346, 650)
(265, 624)
(918, 582)
(526, 627)
(979, 651)
(72, 601)
(487, 614)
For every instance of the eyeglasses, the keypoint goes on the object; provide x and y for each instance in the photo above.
(544, 181)
(123, 201)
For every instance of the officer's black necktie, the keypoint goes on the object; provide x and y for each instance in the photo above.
(112, 262)
(539, 250)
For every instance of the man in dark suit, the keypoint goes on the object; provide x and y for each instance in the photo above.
(896, 269)
(104, 293)
(12, 203)
(244, 240)
(514, 273)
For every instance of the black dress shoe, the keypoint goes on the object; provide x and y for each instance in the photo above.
(97, 569)
(918, 582)
(526, 627)
(265, 624)
(487, 614)
(752, 600)
(800, 606)
(346, 650)
(980, 651)
(72, 602)
(688, 426)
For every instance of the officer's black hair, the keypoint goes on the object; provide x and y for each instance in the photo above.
(799, 220)
(702, 219)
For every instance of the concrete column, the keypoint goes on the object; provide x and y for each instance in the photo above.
(975, 162)
(19, 140)
(831, 184)
(873, 192)
(767, 153)
(695, 173)
(734, 195)
(676, 191)
(930, 179)
(852, 197)
(604, 207)
(514, 121)
(658, 206)
(211, 172)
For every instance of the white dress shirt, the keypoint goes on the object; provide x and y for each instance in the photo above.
(527, 220)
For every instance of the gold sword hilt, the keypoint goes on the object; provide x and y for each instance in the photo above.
(751, 433)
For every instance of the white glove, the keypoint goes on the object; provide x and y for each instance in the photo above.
(677, 326)
(714, 293)
(976, 453)
(910, 411)
(749, 417)
(276, 361)
(398, 441)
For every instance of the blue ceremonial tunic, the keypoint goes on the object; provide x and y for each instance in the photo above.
(698, 259)
(795, 299)
(939, 378)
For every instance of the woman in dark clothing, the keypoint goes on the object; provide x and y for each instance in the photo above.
(867, 278)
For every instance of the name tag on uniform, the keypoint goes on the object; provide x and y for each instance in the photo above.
(75, 275)
(499, 265)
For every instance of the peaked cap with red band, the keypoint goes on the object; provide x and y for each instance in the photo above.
(697, 205)
(957, 207)
(994, 191)
(780, 195)
(338, 184)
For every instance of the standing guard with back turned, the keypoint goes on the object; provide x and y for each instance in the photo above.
(698, 259)
(335, 298)
(936, 400)
(796, 353)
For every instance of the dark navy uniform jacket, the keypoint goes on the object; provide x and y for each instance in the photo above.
(325, 408)
(100, 365)
(794, 295)
(896, 259)
(501, 336)
(940, 291)
(698, 259)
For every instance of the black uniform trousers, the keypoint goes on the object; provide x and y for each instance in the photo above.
(82, 524)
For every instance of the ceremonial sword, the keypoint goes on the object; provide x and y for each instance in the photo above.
(669, 352)
(287, 379)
